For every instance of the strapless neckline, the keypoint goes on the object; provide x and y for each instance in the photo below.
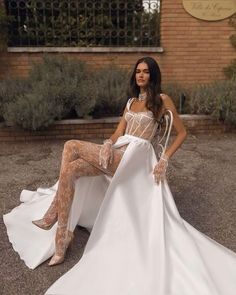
(144, 112)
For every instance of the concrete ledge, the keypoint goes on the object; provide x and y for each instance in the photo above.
(85, 49)
(196, 117)
(184, 117)
(99, 129)
(87, 121)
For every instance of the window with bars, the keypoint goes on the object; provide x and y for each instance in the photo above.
(84, 23)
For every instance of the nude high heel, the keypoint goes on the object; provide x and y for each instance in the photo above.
(59, 258)
(41, 223)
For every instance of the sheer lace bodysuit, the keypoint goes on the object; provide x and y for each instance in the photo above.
(81, 158)
(139, 124)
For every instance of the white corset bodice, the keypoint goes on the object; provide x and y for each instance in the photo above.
(140, 124)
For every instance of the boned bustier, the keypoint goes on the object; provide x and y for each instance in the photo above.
(140, 124)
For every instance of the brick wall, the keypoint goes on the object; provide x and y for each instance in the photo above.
(99, 129)
(194, 50)
(18, 64)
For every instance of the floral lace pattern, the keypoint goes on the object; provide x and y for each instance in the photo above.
(140, 124)
(79, 158)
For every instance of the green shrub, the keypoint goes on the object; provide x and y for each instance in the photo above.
(217, 99)
(56, 88)
(110, 86)
(232, 22)
(5, 20)
(22, 111)
(85, 100)
(175, 91)
(10, 90)
(51, 92)
(62, 78)
(230, 71)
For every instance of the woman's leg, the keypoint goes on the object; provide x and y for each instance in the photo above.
(80, 158)
(73, 149)
(50, 217)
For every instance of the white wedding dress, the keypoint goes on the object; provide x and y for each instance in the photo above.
(139, 244)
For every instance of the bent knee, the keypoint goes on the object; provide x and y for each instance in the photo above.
(70, 144)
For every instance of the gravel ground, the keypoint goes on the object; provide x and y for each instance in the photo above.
(202, 177)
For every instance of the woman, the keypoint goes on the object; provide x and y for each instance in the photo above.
(139, 244)
(89, 159)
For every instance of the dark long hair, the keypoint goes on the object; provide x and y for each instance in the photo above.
(154, 101)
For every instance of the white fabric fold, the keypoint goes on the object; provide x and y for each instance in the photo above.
(139, 244)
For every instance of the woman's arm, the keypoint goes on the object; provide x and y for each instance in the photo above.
(178, 125)
(120, 130)
(106, 152)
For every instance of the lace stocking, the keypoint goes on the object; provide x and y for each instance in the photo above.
(51, 214)
(79, 158)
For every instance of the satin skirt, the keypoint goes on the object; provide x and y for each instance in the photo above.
(139, 244)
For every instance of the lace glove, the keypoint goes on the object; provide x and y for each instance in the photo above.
(160, 168)
(106, 153)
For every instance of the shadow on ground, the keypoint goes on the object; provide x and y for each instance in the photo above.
(201, 176)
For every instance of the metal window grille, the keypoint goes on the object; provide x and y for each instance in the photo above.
(84, 23)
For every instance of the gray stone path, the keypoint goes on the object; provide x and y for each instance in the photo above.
(202, 177)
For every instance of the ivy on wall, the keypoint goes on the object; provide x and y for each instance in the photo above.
(84, 23)
(5, 20)
(230, 71)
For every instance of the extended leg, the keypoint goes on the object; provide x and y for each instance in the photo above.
(70, 171)
(50, 217)
(71, 152)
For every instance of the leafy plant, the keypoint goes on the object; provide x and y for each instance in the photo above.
(110, 85)
(58, 87)
(10, 90)
(216, 99)
(85, 100)
(179, 95)
(230, 71)
(85, 23)
(5, 20)
(23, 112)
(52, 89)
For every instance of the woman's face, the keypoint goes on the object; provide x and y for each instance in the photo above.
(142, 75)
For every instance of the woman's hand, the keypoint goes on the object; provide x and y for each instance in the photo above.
(160, 168)
(106, 153)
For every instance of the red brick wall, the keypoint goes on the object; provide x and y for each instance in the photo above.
(18, 64)
(194, 50)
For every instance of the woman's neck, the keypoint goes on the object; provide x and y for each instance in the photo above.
(142, 90)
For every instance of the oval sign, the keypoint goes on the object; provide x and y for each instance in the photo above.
(210, 10)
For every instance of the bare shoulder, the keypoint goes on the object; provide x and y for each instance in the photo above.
(167, 102)
(177, 122)
(165, 98)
